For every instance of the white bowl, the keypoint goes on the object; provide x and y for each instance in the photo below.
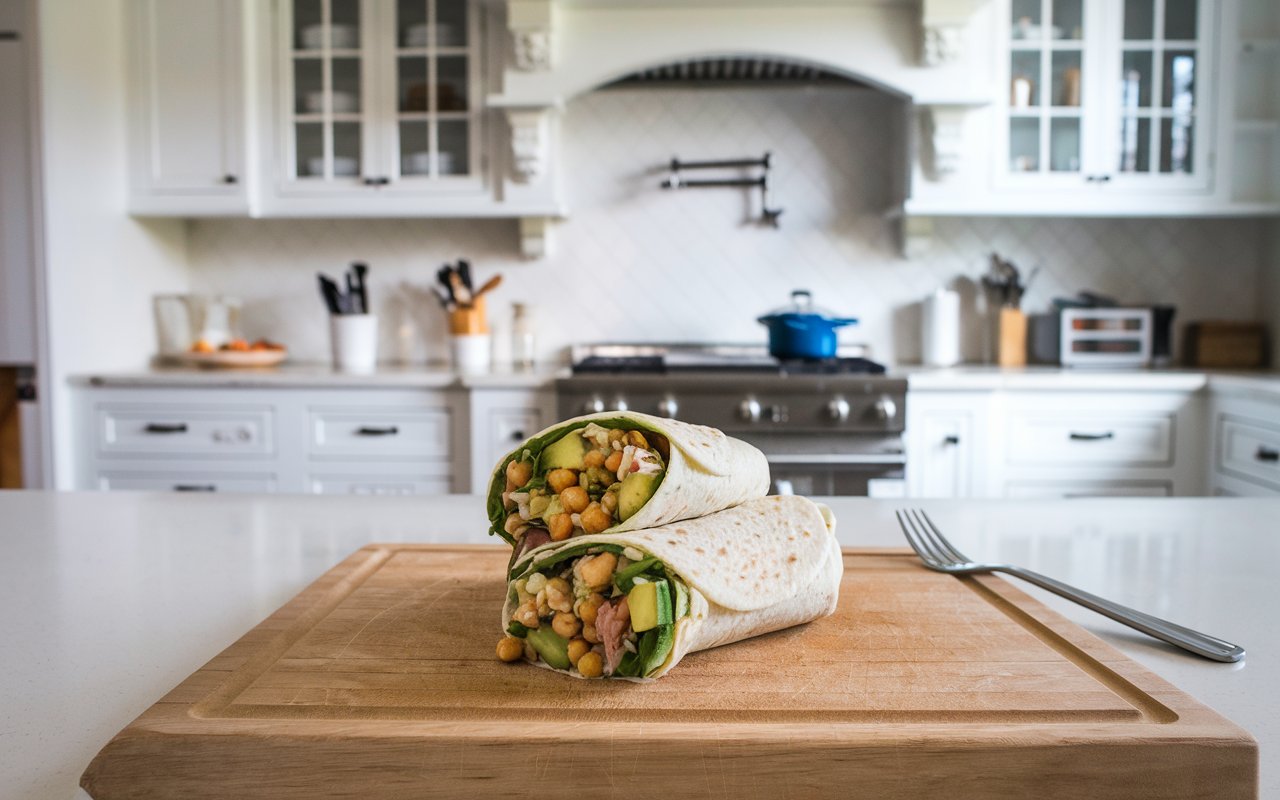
(441, 35)
(343, 102)
(342, 37)
(343, 167)
(420, 163)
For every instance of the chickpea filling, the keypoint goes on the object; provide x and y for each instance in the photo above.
(600, 611)
(585, 481)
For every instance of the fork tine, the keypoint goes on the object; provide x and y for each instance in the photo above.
(908, 530)
(941, 540)
(918, 541)
(926, 538)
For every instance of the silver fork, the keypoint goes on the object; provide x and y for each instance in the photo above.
(938, 554)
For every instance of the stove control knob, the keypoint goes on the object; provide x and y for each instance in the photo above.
(667, 407)
(885, 409)
(838, 409)
(749, 410)
(593, 406)
(619, 404)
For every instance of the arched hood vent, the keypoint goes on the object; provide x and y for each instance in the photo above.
(736, 70)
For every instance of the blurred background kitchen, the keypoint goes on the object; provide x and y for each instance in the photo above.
(364, 246)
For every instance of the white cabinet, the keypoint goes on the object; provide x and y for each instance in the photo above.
(377, 109)
(1245, 430)
(17, 193)
(187, 131)
(500, 420)
(947, 444)
(1108, 96)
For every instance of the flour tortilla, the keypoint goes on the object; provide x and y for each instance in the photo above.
(762, 566)
(707, 471)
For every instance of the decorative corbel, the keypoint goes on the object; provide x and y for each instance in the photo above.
(529, 142)
(941, 140)
(943, 25)
(530, 23)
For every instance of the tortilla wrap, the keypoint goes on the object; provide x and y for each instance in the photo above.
(706, 471)
(762, 566)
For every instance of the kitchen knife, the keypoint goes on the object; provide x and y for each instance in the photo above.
(362, 290)
(443, 275)
(331, 294)
(353, 300)
(464, 271)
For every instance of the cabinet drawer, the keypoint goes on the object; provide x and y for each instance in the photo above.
(1047, 438)
(176, 431)
(184, 482)
(379, 484)
(414, 433)
(1249, 450)
(1075, 489)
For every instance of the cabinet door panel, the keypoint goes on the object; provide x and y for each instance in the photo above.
(17, 266)
(187, 81)
(945, 469)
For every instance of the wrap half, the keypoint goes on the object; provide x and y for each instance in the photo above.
(632, 604)
(618, 471)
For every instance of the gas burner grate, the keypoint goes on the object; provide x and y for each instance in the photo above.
(831, 366)
(658, 365)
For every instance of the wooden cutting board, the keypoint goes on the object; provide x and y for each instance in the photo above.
(380, 681)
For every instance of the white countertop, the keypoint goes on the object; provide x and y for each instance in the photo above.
(113, 599)
(309, 375)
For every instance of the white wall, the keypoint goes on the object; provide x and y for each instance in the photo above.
(634, 262)
(101, 265)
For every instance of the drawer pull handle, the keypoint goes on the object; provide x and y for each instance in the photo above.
(194, 487)
(390, 430)
(951, 440)
(1091, 437)
(166, 427)
(1267, 454)
(517, 436)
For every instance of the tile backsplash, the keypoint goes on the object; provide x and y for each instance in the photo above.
(633, 262)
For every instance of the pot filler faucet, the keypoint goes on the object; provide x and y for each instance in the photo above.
(768, 216)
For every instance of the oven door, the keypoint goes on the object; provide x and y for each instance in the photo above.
(866, 476)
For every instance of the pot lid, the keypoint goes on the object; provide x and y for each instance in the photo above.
(802, 305)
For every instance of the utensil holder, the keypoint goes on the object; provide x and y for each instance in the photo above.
(469, 320)
(354, 342)
(471, 352)
(1012, 351)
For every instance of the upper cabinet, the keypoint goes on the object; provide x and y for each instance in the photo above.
(1105, 96)
(378, 100)
(188, 104)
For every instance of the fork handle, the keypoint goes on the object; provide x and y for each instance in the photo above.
(1201, 644)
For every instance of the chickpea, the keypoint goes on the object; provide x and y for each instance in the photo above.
(527, 614)
(565, 624)
(597, 571)
(616, 435)
(561, 479)
(636, 438)
(513, 524)
(588, 608)
(560, 526)
(510, 648)
(613, 461)
(589, 633)
(577, 649)
(595, 519)
(594, 458)
(591, 665)
(609, 502)
(559, 595)
(574, 499)
(519, 472)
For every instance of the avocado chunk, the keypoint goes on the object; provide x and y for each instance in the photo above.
(635, 491)
(551, 646)
(567, 452)
(650, 605)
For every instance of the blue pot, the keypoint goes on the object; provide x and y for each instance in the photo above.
(802, 331)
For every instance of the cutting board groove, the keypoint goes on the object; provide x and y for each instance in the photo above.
(380, 679)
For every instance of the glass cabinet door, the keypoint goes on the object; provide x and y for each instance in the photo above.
(435, 114)
(326, 80)
(1162, 54)
(1047, 62)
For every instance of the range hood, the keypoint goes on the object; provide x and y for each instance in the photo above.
(735, 71)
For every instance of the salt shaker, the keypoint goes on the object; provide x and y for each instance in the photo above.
(523, 342)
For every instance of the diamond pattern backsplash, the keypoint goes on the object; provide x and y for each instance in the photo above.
(636, 263)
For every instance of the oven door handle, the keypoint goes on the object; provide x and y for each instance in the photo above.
(839, 460)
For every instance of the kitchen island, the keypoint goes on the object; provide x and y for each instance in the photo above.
(113, 599)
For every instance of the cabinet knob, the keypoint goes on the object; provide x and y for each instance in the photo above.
(378, 181)
(390, 430)
(166, 427)
(230, 179)
(517, 436)
(951, 440)
(1267, 455)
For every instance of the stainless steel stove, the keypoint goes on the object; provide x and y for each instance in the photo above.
(831, 427)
